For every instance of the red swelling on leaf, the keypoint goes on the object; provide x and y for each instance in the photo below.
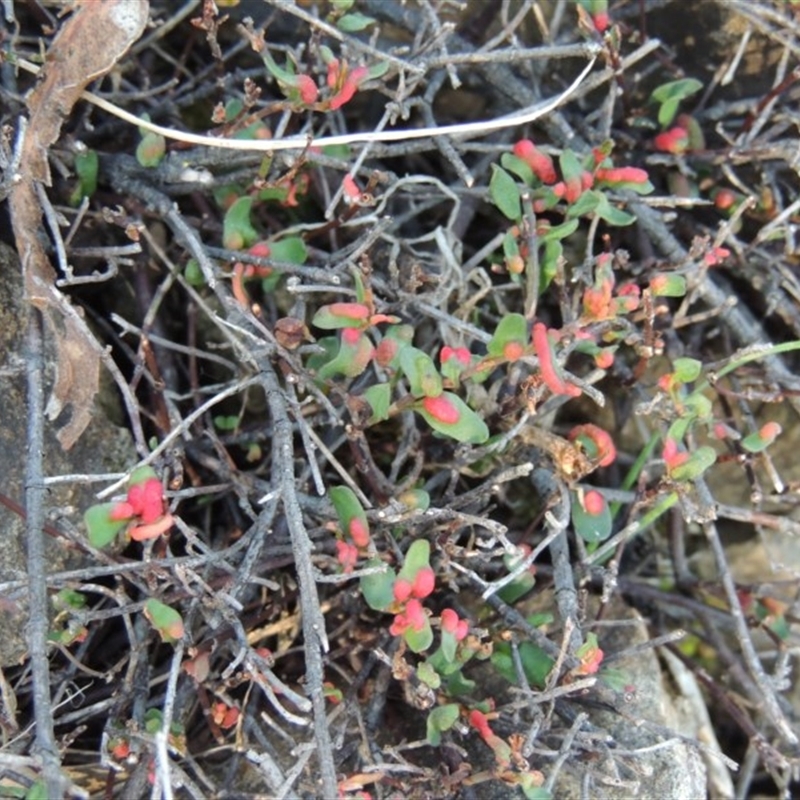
(401, 590)
(152, 530)
(540, 163)
(424, 581)
(147, 500)
(441, 409)
(307, 88)
(346, 555)
(460, 354)
(513, 351)
(359, 533)
(453, 625)
(351, 311)
(386, 351)
(593, 503)
(224, 715)
(601, 21)
(412, 618)
(672, 456)
(716, 256)
(599, 440)
(478, 720)
(350, 188)
(344, 82)
(622, 175)
(674, 141)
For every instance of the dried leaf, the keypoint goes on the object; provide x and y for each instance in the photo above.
(88, 46)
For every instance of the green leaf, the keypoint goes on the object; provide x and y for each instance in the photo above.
(87, 165)
(378, 70)
(237, 232)
(428, 675)
(351, 23)
(423, 377)
(167, 621)
(687, 370)
(379, 397)
(511, 328)
(421, 640)
(570, 166)
(150, 151)
(101, 528)
(536, 664)
(69, 599)
(558, 232)
(347, 507)
(378, 589)
(223, 422)
(140, 475)
(291, 249)
(417, 557)
(441, 718)
(519, 167)
(669, 96)
(37, 791)
(505, 194)
(468, 429)
(193, 274)
(536, 793)
(613, 215)
(585, 204)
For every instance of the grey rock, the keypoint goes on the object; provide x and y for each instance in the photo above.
(103, 448)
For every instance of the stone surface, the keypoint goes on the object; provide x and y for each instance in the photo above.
(103, 448)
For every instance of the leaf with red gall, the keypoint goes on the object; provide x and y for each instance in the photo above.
(593, 502)
(596, 443)
(355, 352)
(540, 163)
(341, 315)
(441, 409)
(668, 285)
(551, 373)
(763, 438)
(448, 414)
(675, 140)
(590, 655)
(386, 351)
(167, 621)
(633, 178)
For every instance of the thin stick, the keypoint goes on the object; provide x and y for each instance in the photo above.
(271, 145)
(38, 623)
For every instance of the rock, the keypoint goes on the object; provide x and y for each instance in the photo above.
(102, 448)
